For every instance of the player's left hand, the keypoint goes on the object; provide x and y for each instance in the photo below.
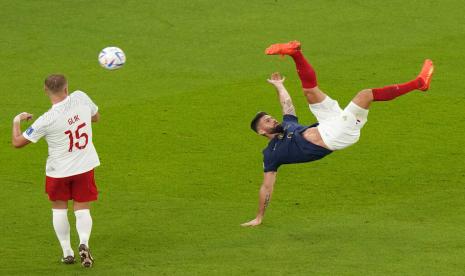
(24, 116)
(253, 222)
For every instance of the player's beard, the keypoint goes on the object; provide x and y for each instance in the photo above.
(277, 129)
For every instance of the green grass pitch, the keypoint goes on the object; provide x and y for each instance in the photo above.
(181, 168)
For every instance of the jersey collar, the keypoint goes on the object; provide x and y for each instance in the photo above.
(61, 103)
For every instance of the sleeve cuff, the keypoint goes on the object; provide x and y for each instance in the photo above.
(29, 138)
(96, 111)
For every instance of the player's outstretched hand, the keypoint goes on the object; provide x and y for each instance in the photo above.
(253, 222)
(24, 116)
(276, 79)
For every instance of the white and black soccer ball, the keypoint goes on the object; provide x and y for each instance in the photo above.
(112, 58)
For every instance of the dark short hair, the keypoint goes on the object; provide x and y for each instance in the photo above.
(55, 83)
(254, 123)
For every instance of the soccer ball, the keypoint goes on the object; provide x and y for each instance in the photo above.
(112, 58)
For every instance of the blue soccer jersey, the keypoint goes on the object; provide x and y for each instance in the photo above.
(290, 147)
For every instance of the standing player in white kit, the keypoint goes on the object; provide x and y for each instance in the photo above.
(67, 128)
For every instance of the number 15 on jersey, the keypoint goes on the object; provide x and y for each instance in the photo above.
(77, 136)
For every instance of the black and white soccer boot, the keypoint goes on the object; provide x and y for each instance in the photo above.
(68, 260)
(86, 257)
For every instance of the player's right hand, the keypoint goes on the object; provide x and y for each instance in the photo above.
(276, 79)
(24, 116)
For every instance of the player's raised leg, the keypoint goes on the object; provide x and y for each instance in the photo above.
(62, 229)
(305, 70)
(84, 228)
(390, 92)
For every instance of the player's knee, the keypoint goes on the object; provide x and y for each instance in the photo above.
(365, 95)
(81, 205)
(311, 91)
(59, 204)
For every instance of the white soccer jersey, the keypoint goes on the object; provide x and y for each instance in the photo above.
(68, 131)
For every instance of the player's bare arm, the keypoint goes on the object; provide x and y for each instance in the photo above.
(284, 98)
(17, 138)
(95, 118)
(265, 193)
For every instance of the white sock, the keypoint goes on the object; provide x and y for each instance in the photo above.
(83, 225)
(61, 226)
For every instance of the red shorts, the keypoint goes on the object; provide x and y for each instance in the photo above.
(80, 187)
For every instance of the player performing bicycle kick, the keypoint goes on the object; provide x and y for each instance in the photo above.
(291, 142)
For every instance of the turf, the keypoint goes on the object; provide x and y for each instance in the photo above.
(180, 167)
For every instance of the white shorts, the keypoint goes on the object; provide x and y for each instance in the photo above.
(339, 128)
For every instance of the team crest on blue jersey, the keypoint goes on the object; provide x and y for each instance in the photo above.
(29, 131)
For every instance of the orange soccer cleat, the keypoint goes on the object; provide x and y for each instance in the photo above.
(426, 74)
(283, 48)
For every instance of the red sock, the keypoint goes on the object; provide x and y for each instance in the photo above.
(390, 92)
(305, 70)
